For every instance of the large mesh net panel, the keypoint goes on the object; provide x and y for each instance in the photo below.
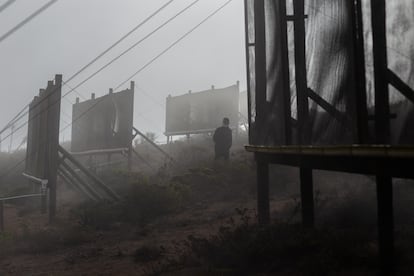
(202, 111)
(332, 68)
(103, 123)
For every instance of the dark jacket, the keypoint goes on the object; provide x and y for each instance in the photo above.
(223, 139)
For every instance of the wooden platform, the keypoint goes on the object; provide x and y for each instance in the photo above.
(383, 161)
(395, 161)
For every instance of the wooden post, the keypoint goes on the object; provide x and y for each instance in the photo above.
(43, 136)
(260, 63)
(306, 192)
(73, 176)
(263, 206)
(102, 185)
(43, 201)
(379, 39)
(153, 144)
(1, 216)
(247, 46)
(385, 222)
(286, 78)
(306, 181)
(131, 139)
(360, 99)
(382, 134)
(300, 69)
(53, 141)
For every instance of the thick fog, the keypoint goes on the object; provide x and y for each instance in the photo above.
(69, 34)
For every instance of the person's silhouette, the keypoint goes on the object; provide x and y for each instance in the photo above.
(223, 140)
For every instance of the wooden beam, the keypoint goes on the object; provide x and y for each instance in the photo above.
(339, 116)
(73, 177)
(153, 144)
(400, 85)
(68, 182)
(300, 69)
(360, 97)
(285, 71)
(53, 121)
(99, 151)
(260, 62)
(248, 44)
(379, 40)
(95, 179)
(142, 159)
(81, 187)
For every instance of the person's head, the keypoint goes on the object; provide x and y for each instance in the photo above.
(226, 121)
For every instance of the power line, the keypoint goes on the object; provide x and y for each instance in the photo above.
(95, 59)
(27, 19)
(173, 44)
(121, 39)
(14, 120)
(161, 105)
(135, 44)
(6, 5)
(141, 69)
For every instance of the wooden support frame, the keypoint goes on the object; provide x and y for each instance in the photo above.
(94, 178)
(379, 41)
(260, 62)
(77, 181)
(401, 86)
(153, 144)
(43, 140)
(286, 78)
(361, 135)
(366, 160)
(301, 76)
(339, 116)
(381, 160)
(248, 44)
(303, 137)
(53, 141)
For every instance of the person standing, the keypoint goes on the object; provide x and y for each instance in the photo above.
(223, 140)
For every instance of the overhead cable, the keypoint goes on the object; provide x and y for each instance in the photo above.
(173, 44)
(27, 20)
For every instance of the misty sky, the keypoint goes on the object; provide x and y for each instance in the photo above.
(72, 32)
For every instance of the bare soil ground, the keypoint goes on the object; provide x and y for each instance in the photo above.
(112, 252)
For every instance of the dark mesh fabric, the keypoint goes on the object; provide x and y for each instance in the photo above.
(330, 64)
(330, 69)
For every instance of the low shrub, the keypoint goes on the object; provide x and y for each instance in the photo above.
(143, 203)
(245, 247)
